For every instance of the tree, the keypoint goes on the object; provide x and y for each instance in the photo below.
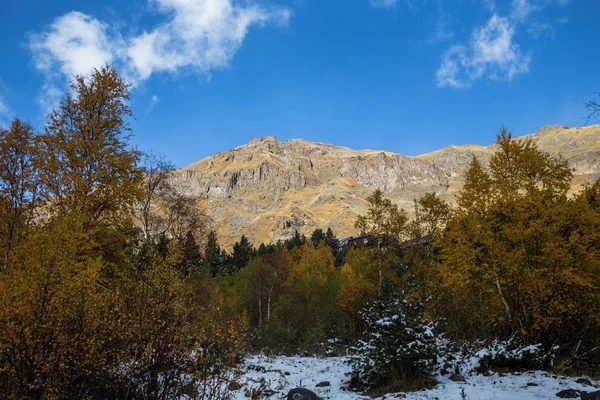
(180, 339)
(317, 237)
(266, 277)
(434, 214)
(163, 210)
(84, 311)
(418, 259)
(311, 262)
(60, 323)
(241, 254)
(383, 220)
(213, 256)
(191, 257)
(86, 165)
(330, 238)
(18, 184)
(398, 347)
(593, 107)
(362, 271)
(306, 310)
(155, 187)
(295, 241)
(513, 256)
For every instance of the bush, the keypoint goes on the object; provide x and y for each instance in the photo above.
(510, 354)
(469, 357)
(398, 348)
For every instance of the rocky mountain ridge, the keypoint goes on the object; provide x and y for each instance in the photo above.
(267, 189)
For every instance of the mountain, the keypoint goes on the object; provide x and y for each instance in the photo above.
(267, 189)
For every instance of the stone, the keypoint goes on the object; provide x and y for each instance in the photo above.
(234, 385)
(532, 384)
(590, 396)
(323, 384)
(568, 394)
(457, 378)
(301, 394)
(584, 381)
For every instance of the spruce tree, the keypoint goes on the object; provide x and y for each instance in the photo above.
(398, 344)
(241, 254)
(191, 259)
(317, 237)
(212, 255)
(330, 238)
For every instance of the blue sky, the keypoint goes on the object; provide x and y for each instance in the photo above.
(407, 76)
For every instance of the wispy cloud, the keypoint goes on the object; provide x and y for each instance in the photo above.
(383, 3)
(522, 9)
(153, 101)
(3, 110)
(194, 35)
(491, 53)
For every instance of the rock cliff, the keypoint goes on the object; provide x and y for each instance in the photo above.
(267, 189)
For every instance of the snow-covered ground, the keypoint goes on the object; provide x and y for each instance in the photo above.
(280, 374)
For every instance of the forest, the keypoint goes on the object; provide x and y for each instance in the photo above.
(113, 284)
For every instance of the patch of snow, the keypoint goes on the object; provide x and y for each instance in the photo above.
(282, 374)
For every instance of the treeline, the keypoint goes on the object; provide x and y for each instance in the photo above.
(98, 297)
(307, 295)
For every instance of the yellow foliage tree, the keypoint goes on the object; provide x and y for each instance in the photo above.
(520, 257)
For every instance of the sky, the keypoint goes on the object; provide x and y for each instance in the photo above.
(408, 76)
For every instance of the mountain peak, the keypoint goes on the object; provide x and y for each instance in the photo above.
(264, 139)
(267, 189)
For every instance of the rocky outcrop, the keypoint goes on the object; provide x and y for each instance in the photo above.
(267, 188)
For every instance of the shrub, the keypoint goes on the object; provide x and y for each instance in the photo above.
(398, 349)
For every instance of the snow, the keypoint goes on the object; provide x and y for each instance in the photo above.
(281, 374)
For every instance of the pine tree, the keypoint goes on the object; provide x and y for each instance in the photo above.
(317, 237)
(295, 241)
(330, 238)
(213, 257)
(398, 345)
(191, 258)
(241, 254)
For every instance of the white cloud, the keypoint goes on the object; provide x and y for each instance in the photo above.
(198, 35)
(491, 53)
(74, 44)
(383, 3)
(153, 101)
(522, 9)
(201, 35)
